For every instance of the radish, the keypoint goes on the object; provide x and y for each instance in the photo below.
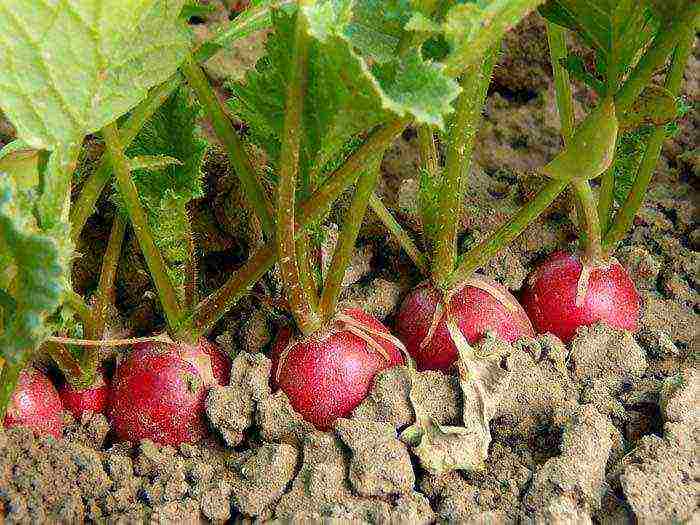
(220, 362)
(564, 293)
(328, 374)
(158, 392)
(478, 306)
(79, 400)
(35, 404)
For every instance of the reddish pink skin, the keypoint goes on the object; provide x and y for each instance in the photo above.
(327, 379)
(550, 297)
(475, 312)
(35, 404)
(80, 400)
(220, 362)
(156, 394)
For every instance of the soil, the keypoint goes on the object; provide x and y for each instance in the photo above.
(603, 430)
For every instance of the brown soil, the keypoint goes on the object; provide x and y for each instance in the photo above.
(604, 430)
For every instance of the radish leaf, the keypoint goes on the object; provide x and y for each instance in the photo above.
(32, 277)
(69, 68)
(171, 138)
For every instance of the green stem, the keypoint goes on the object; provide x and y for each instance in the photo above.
(96, 182)
(606, 197)
(213, 308)
(301, 301)
(242, 164)
(556, 37)
(589, 220)
(486, 249)
(623, 219)
(460, 144)
(391, 224)
(105, 288)
(346, 242)
(654, 58)
(69, 365)
(191, 295)
(307, 276)
(586, 203)
(137, 215)
(76, 303)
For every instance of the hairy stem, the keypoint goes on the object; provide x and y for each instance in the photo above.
(404, 240)
(656, 55)
(589, 220)
(137, 215)
(460, 144)
(68, 364)
(606, 197)
(586, 204)
(191, 295)
(237, 154)
(302, 301)
(96, 182)
(108, 272)
(346, 242)
(76, 303)
(213, 308)
(556, 37)
(623, 219)
(482, 252)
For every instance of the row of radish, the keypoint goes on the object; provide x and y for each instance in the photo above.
(158, 390)
(339, 82)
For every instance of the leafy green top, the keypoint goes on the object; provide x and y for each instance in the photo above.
(167, 187)
(69, 68)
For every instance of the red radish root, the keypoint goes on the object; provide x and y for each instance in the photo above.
(327, 375)
(477, 306)
(158, 393)
(35, 404)
(80, 400)
(564, 294)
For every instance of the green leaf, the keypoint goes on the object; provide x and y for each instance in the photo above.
(36, 278)
(256, 17)
(340, 102)
(591, 149)
(473, 27)
(655, 106)
(345, 96)
(577, 68)
(70, 68)
(617, 29)
(153, 162)
(22, 161)
(172, 139)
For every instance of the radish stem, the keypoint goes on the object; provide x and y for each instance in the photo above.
(213, 308)
(625, 216)
(589, 220)
(586, 206)
(239, 157)
(391, 224)
(96, 182)
(482, 252)
(301, 299)
(460, 144)
(137, 215)
(346, 242)
(74, 373)
(76, 303)
(105, 288)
